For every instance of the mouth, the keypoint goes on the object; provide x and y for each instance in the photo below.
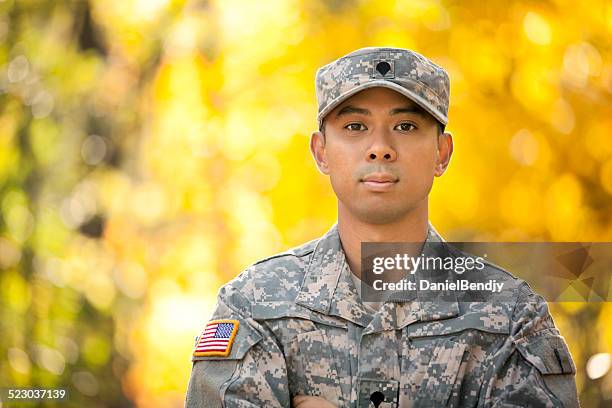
(379, 181)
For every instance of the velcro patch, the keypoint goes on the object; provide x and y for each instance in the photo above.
(217, 338)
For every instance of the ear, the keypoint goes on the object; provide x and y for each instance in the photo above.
(445, 151)
(317, 148)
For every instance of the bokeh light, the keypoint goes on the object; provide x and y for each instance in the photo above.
(151, 150)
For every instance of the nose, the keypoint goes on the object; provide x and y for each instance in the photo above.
(381, 149)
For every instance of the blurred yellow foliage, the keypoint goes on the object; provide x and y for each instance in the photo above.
(150, 150)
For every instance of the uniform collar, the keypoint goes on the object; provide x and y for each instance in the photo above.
(328, 288)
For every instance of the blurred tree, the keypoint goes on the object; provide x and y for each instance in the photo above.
(150, 150)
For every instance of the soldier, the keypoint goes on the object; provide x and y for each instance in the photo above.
(294, 330)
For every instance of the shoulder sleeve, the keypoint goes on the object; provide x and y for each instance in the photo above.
(534, 366)
(252, 373)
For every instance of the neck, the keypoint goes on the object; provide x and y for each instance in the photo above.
(353, 231)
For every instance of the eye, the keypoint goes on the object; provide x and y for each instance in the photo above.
(355, 127)
(405, 127)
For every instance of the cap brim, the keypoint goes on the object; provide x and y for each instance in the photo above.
(384, 84)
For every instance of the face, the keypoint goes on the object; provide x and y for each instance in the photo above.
(381, 152)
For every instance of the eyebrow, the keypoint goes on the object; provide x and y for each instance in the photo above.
(348, 109)
(417, 110)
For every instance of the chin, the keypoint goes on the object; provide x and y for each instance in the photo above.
(379, 216)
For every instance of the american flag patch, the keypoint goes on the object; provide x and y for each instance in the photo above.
(217, 338)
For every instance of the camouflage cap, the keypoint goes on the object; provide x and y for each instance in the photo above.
(402, 70)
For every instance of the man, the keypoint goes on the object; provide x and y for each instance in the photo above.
(293, 329)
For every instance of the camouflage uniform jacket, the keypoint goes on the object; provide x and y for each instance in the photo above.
(304, 330)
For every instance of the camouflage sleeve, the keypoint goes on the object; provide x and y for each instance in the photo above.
(254, 374)
(534, 367)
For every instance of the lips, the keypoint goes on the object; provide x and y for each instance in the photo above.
(379, 178)
(379, 182)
